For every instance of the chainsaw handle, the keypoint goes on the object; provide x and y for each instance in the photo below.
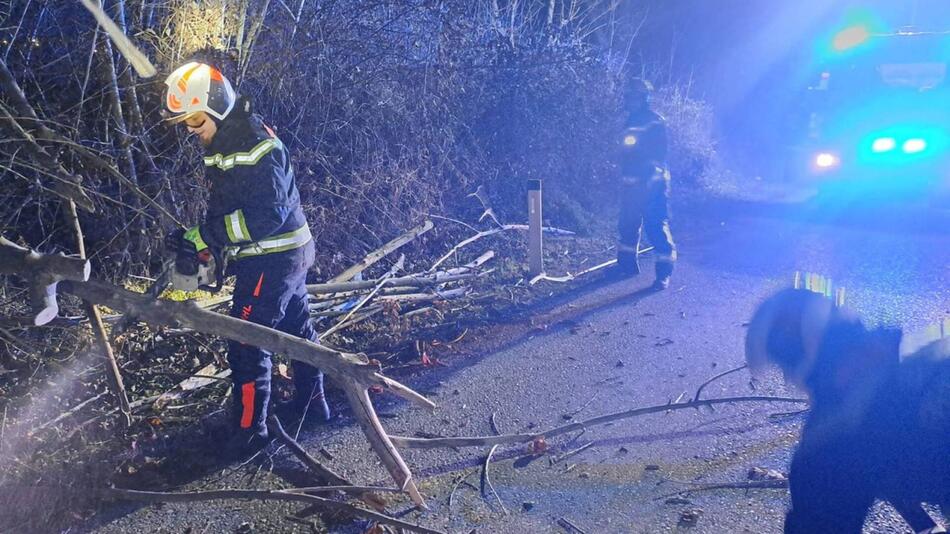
(219, 268)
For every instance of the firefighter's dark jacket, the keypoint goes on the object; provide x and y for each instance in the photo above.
(644, 144)
(254, 205)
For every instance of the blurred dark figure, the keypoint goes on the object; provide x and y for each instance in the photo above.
(879, 427)
(645, 187)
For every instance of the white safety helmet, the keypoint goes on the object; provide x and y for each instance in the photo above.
(787, 330)
(195, 87)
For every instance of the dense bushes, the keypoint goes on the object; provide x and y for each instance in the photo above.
(392, 109)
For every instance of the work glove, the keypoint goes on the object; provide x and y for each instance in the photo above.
(192, 236)
(189, 249)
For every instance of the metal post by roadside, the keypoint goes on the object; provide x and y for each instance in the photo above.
(535, 244)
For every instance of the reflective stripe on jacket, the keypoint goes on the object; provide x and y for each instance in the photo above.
(254, 205)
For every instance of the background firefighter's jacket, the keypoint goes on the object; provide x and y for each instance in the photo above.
(253, 198)
(644, 145)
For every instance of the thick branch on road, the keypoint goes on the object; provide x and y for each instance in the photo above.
(43, 271)
(354, 372)
(488, 441)
(264, 495)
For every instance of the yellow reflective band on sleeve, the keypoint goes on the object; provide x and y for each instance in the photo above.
(243, 158)
(277, 243)
(236, 226)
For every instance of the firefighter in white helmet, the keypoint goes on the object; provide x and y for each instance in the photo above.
(878, 427)
(254, 216)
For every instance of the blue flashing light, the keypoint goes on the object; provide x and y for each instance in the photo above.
(884, 144)
(915, 146)
(851, 37)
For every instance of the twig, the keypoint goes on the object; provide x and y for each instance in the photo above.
(322, 472)
(3, 426)
(717, 377)
(456, 487)
(752, 484)
(572, 452)
(405, 392)
(586, 404)
(395, 268)
(494, 426)
(343, 489)
(569, 526)
(485, 441)
(264, 495)
(65, 414)
(486, 481)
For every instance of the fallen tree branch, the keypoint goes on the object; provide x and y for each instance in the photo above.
(493, 231)
(392, 272)
(98, 328)
(405, 281)
(382, 252)
(322, 472)
(43, 271)
(363, 410)
(354, 372)
(486, 441)
(570, 277)
(263, 495)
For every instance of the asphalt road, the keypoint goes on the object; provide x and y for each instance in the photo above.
(611, 347)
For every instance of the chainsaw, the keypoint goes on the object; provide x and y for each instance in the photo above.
(187, 271)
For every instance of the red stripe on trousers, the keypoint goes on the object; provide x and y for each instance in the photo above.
(257, 290)
(247, 402)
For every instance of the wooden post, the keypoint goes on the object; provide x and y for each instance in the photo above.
(535, 243)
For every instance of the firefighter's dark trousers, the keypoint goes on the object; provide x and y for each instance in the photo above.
(644, 204)
(270, 290)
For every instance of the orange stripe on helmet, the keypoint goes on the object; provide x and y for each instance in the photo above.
(216, 74)
(173, 102)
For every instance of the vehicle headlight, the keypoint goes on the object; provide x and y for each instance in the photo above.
(884, 144)
(826, 160)
(914, 146)
(629, 140)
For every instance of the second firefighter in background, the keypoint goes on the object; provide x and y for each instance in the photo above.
(644, 187)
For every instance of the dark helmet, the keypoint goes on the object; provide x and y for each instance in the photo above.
(638, 90)
(787, 330)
